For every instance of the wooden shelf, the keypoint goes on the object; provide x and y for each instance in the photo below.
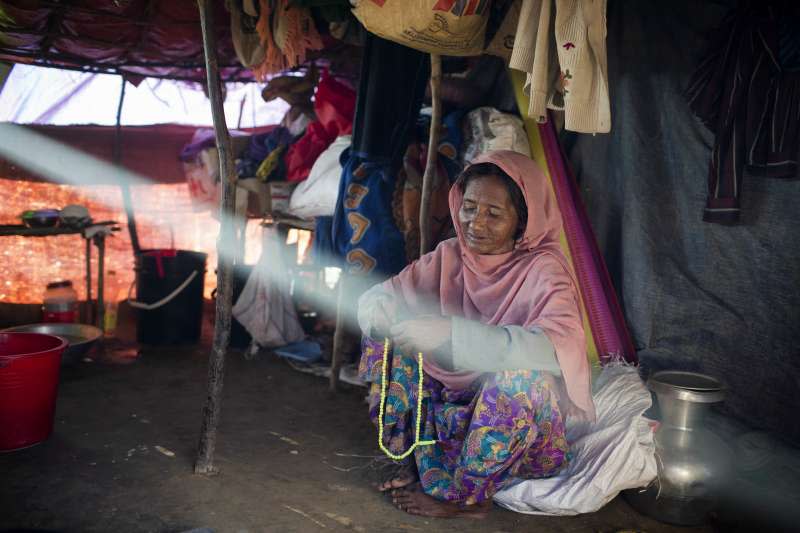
(19, 230)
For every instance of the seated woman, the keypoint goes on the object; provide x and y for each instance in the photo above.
(495, 313)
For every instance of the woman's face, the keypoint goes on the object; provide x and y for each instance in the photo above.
(487, 216)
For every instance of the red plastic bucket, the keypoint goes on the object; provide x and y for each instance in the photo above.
(29, 366)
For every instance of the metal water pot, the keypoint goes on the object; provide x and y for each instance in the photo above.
(693, 463)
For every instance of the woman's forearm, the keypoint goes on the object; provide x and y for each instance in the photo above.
(367, 306)
(484, 348)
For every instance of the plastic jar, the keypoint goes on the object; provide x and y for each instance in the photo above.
(60, 302)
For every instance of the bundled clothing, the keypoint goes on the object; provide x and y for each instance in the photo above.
(573, 77)
(287, 33)
(747, 91)
(334, 105)
(261, 147)
(494, 417)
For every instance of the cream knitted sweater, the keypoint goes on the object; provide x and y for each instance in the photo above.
(566, 68)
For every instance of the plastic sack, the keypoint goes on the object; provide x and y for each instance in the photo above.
(264, 307)
(202, 174)
(613, 454)
(487, 129)
(246, 41)
(447, 27)
(316, 196)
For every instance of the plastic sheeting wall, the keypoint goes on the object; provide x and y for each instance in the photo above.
(716, 299)
(166, 217)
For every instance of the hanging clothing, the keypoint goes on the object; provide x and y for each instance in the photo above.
(390, 93)
(566, 66)
(364, 231)
(503, 426)
(747, 91)
(288, 33)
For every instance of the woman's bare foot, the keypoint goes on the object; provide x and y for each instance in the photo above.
(402, 477)
(414, 501)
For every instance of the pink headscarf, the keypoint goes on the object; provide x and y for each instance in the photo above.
(531, 286)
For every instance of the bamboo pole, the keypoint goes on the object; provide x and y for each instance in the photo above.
(225, 244)
(127, 201)
(431, 163)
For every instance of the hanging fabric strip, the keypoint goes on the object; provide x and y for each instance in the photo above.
(607, 336)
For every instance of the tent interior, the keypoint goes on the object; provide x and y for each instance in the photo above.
(121, 88)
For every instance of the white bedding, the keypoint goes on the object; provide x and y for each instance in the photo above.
(615, 453)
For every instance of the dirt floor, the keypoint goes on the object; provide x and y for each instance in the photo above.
(292, 457)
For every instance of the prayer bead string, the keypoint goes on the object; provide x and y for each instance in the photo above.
(417, 442)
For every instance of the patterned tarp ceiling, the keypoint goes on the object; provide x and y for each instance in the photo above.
(136, 38)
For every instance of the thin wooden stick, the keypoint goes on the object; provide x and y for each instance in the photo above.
(89, 303)
(100, 242)
(425, 236)
(337, 353)
(225, 244)
(127, 201)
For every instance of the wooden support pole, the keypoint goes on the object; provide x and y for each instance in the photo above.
(89, 303)
(225, 249)
(127, 201)
(337, 352)
(431, 163)
(100, 242)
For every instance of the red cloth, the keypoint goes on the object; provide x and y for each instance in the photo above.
(334, 105)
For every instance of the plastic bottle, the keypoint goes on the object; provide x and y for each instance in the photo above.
(60, 302)
(111, 304)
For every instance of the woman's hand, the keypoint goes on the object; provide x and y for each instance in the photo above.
(424, 334)
(383, 317)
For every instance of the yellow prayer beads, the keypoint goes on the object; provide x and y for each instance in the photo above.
(417, 442)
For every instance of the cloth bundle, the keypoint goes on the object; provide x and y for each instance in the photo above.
(334, 105)
(287, 34)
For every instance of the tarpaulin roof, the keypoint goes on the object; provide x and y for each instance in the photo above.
(156, 38)
(151, 151)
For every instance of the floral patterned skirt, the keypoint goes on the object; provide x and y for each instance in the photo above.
(505, 426)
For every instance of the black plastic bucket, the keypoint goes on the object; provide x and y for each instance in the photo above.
(159, 273)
